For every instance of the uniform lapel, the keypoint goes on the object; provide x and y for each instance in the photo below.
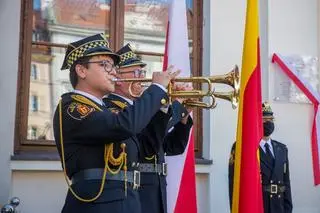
(265, 165)
(265, 159)
(278, 153)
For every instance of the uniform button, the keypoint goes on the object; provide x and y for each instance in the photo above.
(270, 196)
(271, 181)
(279, 196)
(163, 101)
(279, 181)
(183, 114)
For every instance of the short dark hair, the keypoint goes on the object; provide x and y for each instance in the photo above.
(73, 74)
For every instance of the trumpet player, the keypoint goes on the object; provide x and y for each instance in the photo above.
(155, 141)
(98, 147)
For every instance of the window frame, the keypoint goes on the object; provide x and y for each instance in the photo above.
(116, 37)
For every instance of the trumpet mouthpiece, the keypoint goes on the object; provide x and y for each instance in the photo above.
(115, 79)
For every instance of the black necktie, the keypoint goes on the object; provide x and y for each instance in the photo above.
(268, 153)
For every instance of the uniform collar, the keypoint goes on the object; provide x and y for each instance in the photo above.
(94, 98)
(263, 142)
(262, 145)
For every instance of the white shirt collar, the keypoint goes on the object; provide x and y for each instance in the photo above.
(94, 98)
(125, 98)
(263, 142)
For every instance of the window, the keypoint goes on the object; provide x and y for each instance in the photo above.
(33, 133)
(48, 26)
(34, 103)
(34, 72)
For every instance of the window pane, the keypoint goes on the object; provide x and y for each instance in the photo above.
(45, 91)
(33, 133)
(34, 72)
(145, 24)
(64, 21)
(34, 103)
(190, 19)
(154, 63)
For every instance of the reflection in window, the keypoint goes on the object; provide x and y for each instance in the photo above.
(34, 72)
(66, 86)
(145, 24)
(36, 4)
(33, 133)
(34, 103)
(189, 4)
(154, 63)
(39, 27)
(53, 18)
(42, 135)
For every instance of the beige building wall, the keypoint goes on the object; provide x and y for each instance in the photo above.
(9, 51)
(39, 191)
(41, 186)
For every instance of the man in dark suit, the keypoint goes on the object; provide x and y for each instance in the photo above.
(98, 145)
(167, 133)
(274, 169)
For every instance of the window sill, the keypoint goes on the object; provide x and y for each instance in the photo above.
(44, 161)
(36, 161)
(203, 166)
(36, 156)
(203, 161)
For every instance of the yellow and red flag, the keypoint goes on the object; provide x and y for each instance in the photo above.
(247, 194)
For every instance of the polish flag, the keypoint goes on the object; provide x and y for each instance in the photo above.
(181, 188)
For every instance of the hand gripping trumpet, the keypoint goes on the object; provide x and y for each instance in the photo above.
(231, 79)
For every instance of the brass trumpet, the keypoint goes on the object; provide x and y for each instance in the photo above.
(231, 79)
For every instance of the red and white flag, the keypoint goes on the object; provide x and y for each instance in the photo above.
(181, 188)
(314, 97)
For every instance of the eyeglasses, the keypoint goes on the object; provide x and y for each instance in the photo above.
(138, 73)
(108, 67)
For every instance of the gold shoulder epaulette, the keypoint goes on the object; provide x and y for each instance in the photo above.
(85, 100)
(120, 104)
(150, 158)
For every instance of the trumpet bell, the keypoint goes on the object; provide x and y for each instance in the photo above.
(232, 96)
(232, 78)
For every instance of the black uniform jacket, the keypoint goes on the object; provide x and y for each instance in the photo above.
(87, 127)
(153, 193)
(277, 175)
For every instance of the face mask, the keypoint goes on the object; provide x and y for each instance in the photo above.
(268, 128)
